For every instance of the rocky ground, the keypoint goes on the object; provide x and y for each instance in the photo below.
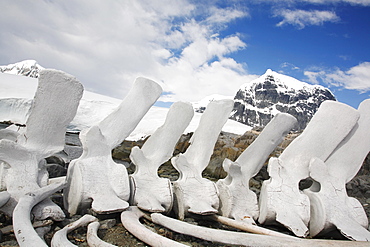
(228, 146)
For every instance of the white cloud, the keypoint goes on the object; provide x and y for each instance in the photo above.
(344, 57)
(313, 76)
(224, 15)
(323, 2)
(353, 2)
(106, 44)
(290, 66)
(223, 76)
(356, 78)
(303, 18)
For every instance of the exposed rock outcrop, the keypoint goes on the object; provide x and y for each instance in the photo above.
(258, 101)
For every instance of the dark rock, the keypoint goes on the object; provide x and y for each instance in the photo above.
(257, 103)
(68, 221)
(365, 169)
(55, 160)
(367, 194)
(122, 152)
(56, 165)
(10, 243)
(56, 170)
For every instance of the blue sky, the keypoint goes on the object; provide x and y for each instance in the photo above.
(193, 48)
(293, 48)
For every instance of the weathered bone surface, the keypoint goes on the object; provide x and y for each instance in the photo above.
(330, 206)
(92, 236)
(244, 239)
(330, 150)
(23, 229)
(237, 200)
(95, 177)
(4, 197)
(130, 220)
(118, 125)
(247, 227)
(60, 237)
(9, 133)
(57, 97)
(193, 193)
(280, 197)
(148, 191)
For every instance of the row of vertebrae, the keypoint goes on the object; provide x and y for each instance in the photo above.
(95, 180)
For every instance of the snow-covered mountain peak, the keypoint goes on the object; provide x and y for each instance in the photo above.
(269, 71)
(258, 101)
(28, 68)
(280, 80)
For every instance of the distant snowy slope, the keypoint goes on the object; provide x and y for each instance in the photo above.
(16, 94)
(14, 86)
(156, 116)
(28, 68)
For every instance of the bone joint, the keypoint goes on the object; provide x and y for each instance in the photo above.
(148, 191)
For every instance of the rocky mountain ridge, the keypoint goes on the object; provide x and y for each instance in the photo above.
(257, 102)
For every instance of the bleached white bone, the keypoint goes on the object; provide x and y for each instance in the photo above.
(4, 197)
(237, 200)
(60, 237)
(193, 193)
(130, 220)
(9, 133)
(95, 177)
(24, 232)
(92, 236)
(244, 239)
(247, 227)
(54, 106)
(36, 224)
(118, 125)
(280, 197)
(57, 180)
(148, 191)
(330, 206)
